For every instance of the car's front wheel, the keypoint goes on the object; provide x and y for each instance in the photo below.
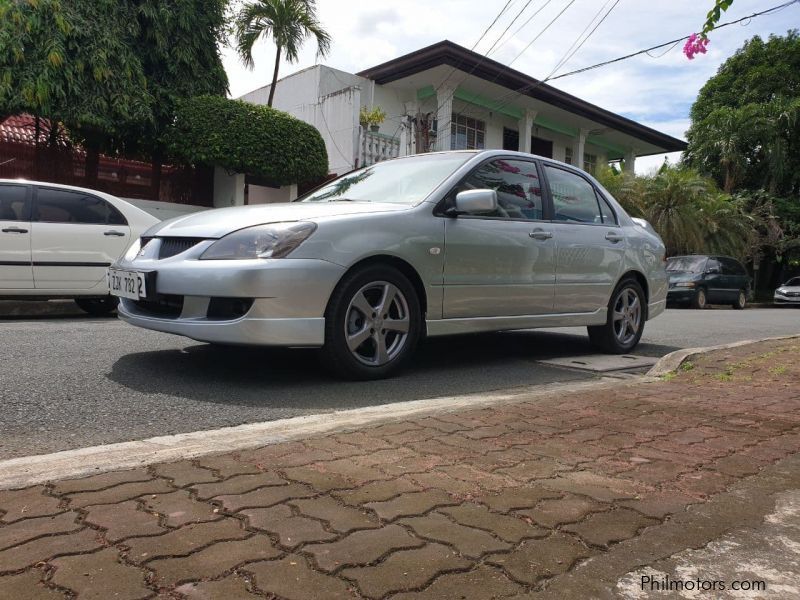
(372, 324)
(741, 300)
(624, 321)
(700, 300)
(98, 307)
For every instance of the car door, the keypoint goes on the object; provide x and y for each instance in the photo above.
(735, 278)
(590, 244)
(500, 264)
(715, 282)
(75, 237)
(16, 271)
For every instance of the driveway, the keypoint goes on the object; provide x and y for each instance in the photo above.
(76, 382)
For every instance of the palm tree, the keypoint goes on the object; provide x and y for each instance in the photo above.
(288, 22)
(672, 200)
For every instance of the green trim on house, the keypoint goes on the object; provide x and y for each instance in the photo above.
(554, 126)
(488, 103)
(426, 92)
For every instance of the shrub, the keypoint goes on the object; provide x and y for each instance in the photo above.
(247, 138)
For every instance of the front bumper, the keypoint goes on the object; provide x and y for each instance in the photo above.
(681, 294)
(781, 299)
(284, 299)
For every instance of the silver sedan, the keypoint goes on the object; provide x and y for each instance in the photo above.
(427, 245)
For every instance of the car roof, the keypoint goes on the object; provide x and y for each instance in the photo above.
(62, 186)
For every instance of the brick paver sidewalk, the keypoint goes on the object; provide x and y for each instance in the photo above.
(491, 503)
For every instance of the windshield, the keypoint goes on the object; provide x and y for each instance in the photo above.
(793, 282)
(686, 264)
(401, 181)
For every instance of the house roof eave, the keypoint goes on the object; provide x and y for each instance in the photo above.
(453, 55)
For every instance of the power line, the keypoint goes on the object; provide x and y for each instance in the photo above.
(568, 56)
(674, 42)
(521, 27)
(573, 49)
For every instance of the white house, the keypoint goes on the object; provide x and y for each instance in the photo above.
(446, 97)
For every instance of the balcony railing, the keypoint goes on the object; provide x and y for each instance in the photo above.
(377, 147)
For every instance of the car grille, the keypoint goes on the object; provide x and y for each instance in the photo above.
(161, 305)
(171, 246)
(792, 294)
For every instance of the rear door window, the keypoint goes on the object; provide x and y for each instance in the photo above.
(574, 198)
(14, 205)
(66, 206)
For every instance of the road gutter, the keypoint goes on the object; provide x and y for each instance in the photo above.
(68, 464)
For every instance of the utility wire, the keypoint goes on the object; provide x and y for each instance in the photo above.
(521, 27)
(674, 42)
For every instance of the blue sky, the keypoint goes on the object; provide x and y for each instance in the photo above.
(655, 91)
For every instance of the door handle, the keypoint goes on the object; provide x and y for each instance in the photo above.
(14, 230)
(613, 237)
(114, 233)
(540, 234)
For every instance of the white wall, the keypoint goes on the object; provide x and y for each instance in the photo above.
(259, 194)
(164, 210)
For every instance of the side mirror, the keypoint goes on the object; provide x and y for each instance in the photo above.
(476, 201)
(713, 271)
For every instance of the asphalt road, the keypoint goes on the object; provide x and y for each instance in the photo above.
(74, 382)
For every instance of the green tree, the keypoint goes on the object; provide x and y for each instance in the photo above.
(288, 22)
(73, 62)
(178, 43)
(248, 138)
(745, 129)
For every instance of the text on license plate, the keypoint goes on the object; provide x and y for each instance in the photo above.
(127, 284)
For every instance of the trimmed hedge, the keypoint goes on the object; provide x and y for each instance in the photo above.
(247, 138)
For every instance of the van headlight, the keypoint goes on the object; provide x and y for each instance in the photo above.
(274, 240)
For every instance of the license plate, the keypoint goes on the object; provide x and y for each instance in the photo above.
(127, 284)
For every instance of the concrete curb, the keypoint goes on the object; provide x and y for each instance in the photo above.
(32, 470)
(672, 361)
(39, 308)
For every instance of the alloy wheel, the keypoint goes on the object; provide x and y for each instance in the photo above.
(627, 316)
(377, 323)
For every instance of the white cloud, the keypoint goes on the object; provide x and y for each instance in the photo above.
(655, 91)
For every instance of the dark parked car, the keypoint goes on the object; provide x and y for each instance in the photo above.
(699, 280)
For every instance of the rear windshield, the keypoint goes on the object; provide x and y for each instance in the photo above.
(686, 264)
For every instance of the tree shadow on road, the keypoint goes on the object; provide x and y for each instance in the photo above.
(294, 379)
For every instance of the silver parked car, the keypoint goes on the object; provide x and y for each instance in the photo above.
(788, 293)
(432, 244)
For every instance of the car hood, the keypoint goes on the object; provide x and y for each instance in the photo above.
(790, 288)
(222, 221)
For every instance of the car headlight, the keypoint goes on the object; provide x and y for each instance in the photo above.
(133, 251)
(685, 284)
(274, 240)
(781, 291)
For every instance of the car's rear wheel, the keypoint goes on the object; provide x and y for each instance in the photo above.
(624, 321)
(700, 300)
(98, 307)
(372, 324)
(741, 300)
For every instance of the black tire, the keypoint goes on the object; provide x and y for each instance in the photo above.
(606, 337)
(741, 300)
(98, 307)
(370, 284)
(700, 300)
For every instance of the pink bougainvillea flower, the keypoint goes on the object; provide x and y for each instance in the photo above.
(695, 45)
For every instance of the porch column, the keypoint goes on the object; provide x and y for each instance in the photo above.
(444, 114)
(526, 130)
(580, 147)
(629, 167)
